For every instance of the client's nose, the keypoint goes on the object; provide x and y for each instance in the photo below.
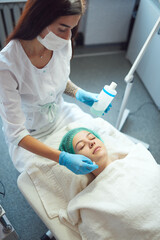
(91, 144)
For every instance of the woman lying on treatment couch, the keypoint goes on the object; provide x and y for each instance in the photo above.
(123, 201)
(88, 143)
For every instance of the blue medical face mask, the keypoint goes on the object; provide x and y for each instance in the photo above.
(52, 42)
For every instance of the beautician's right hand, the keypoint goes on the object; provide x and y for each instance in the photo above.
(77, 163)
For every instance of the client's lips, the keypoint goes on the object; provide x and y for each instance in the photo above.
(96, 149)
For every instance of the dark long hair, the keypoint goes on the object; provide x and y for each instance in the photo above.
(38, 14)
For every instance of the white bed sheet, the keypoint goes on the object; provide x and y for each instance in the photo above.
(122, 203)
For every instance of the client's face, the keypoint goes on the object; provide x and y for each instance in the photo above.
(85, 143)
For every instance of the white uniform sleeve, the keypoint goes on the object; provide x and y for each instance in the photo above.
(10, 108)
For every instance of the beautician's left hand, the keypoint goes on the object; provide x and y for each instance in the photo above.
(89, 98)
(108, 108)
(86, 97)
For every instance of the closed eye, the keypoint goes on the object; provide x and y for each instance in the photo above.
(91, 136)
(81, 147)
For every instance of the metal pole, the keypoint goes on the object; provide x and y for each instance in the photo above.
(121, 118)
(129, 77)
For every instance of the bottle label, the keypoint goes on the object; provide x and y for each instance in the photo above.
(112, 95)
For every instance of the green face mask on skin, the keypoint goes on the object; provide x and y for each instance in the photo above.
(66, 142)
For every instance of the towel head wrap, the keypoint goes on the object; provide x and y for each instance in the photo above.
(67, 140)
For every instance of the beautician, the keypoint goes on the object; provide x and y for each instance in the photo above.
(34, 73)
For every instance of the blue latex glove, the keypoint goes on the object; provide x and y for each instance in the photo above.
(108, 108)
(89, 98)
(86, 97)
(77, 163)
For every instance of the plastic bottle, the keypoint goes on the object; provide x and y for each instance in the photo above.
(104, 99)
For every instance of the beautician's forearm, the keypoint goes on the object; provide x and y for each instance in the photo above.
(71, 89)
(35, 146)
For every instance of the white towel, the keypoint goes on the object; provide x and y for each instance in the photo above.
(122, 203)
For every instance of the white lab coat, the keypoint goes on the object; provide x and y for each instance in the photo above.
(31, 101)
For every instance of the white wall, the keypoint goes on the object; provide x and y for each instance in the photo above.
(107, 21)
(149, 66)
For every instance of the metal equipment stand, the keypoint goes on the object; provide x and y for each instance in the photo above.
(7, 231)
(123, 114)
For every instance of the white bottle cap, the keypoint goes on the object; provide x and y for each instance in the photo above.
(113, 85)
